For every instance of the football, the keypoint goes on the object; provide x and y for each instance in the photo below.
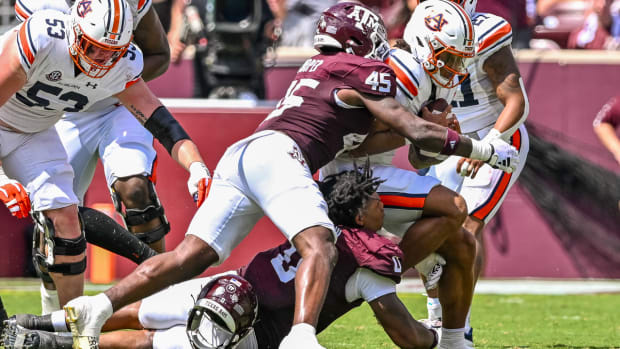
(438, 105)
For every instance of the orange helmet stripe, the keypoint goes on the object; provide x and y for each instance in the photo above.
(116, 19)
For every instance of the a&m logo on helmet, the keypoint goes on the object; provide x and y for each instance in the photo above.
(436, 22)
(83, 8)
(364, 19)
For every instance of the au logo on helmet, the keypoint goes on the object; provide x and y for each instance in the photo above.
(83, 8)
(436, 22)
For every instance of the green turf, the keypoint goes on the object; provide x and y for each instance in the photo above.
(499, 321)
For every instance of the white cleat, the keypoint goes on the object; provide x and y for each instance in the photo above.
(85, 317)
(431, 268)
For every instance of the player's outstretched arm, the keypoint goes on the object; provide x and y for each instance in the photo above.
(12, 75)
(399, 325)
(156, 118)
(151, 38)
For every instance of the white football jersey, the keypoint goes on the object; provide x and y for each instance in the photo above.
(55, 85)
(25, 8)
(414, 88)
(476, 104)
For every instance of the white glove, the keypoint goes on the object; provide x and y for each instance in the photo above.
(198, 182)
(503, 155)
(302, 336)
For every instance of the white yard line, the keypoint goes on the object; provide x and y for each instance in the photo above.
(527, 286)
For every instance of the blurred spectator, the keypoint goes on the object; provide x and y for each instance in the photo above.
(556, 19)
(515, 12)
(606, 125)
(230, 40)
(595, 31)
(397, 16)
(299, 21)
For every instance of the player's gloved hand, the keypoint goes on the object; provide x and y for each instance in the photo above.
(15, 197)
(503, 155)
(301, 336)
(199, 182)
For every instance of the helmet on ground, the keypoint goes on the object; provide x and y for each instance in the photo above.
(100, 33)
(223, 314)
(352, 28)
(441, 37)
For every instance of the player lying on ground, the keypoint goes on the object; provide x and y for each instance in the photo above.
(368, 269)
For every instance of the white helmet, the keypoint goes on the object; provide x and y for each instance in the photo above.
(468, 5)
(441, 37)
(102, 32)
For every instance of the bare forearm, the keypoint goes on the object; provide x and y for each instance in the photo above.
(607, 135)
(185, 152)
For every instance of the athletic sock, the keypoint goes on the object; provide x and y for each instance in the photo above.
(434, 308)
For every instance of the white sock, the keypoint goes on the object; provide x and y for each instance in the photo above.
(467, 323)
(49, 300)
(452, 338)
(434, 308)
(58, 321)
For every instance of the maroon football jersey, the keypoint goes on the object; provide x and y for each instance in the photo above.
(609, 113)
(272, 273)
(309, 113)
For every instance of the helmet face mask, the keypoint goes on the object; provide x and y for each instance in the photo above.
(441, 37)
(223, 314)
(354, 29)
(100, 35)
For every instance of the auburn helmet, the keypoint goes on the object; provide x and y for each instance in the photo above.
(441, 37)
(223, 313)
(100, 34)
(352, 28)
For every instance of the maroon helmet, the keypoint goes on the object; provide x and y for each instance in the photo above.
(353, 28)
(223, 314)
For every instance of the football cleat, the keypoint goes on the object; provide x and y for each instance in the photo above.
(32, 339)
(469, 339)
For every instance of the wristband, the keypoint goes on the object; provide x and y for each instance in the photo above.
(452, 141)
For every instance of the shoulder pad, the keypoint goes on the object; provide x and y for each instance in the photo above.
(32, 38)
(25, 8)
(365, 75)
(407, 79)
(492, 33)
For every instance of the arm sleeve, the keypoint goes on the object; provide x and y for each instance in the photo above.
(368, 285)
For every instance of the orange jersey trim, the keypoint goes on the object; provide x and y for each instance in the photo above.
(25, 44)
(500, 190)
(402, 76)
(500, 33)
(132, 82)
(405, 202)
(21, 12)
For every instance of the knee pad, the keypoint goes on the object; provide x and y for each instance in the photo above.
(46, 245)
(136, 216)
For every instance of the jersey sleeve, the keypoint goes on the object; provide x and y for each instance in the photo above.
(368, 285)
(369, 76)
(374, 252)
(33, 41)
(492, 33)
(135, 63)
(25, 8)
(142, 7)
(406, 80)
(609, 113)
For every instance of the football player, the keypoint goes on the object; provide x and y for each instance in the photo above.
(328, 108)
(426, 215)
(491, 103)
(52, 61)
(223, 313)
(110, 132)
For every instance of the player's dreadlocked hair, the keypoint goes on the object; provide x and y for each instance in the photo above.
(347, 192)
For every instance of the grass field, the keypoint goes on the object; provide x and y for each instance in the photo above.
(499, 321)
